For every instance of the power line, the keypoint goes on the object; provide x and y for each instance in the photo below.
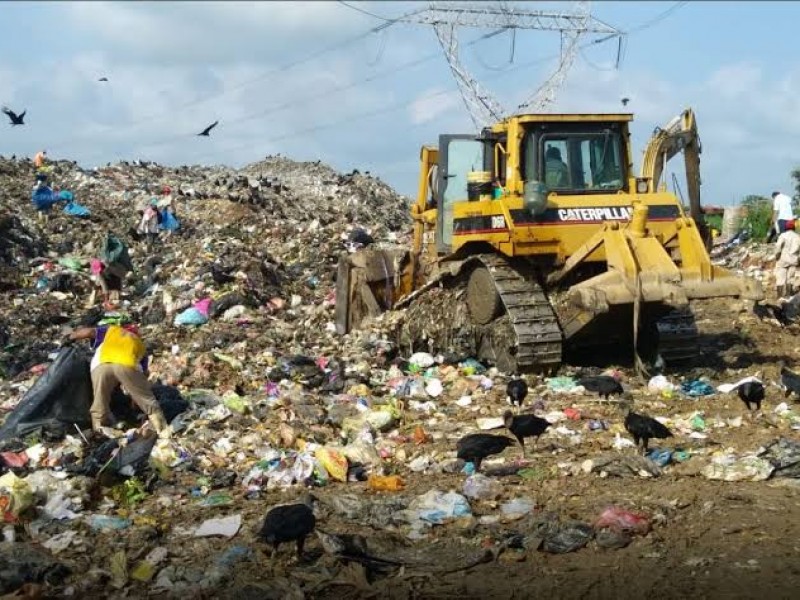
(197, 101)
(658, 18)
(376, 112)
(326, 93)
(366, 12)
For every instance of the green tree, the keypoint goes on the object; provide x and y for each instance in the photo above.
(759, 216)
(796, 178)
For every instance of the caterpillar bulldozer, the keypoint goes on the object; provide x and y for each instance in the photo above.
(535, 239)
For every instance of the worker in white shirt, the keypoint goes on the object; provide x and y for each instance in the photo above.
(782, 213)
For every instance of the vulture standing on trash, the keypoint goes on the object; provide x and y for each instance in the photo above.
(604, 385)
(790, 381)
(289, 523)
(523, 426)
(477, 446)
(516, 390)
(643, 428)
(16, 119)
(751, 392)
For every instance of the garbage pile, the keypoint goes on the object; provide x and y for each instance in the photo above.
(265, 402)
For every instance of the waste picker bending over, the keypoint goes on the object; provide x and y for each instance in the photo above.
(120, 358)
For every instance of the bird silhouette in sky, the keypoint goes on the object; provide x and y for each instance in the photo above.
(208, 129)
(16, 119)
(103, 79)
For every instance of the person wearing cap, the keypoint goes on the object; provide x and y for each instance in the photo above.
(787, 258)
(166, 200)
(120, 359)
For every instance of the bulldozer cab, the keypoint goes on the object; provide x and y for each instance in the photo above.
(459, 155)
(562, 158)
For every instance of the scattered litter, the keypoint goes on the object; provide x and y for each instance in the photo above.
(225, 526)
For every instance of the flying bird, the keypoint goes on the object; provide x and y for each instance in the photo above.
(625, 101)
(208, 129)
(289, 523)
(16, 119)
(477, 446)
(516, 390)
(103, 79)
(643, 428)
(523, 426)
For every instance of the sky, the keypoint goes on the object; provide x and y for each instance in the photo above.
(316, 80)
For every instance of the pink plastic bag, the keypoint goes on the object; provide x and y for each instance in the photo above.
(619, 519)
(96, 267)
(203, 306)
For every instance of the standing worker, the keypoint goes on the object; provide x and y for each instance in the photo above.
(151, 219)
(787, 258)
(39, 159)
(781, 213)
(120, 358)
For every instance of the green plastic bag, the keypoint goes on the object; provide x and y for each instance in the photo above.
(115, 251)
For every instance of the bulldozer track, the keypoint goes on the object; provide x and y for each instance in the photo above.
(538, 334)
(678, 336)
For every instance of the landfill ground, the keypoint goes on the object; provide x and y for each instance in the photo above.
(249, 430)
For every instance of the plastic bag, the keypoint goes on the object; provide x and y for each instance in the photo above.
(619, 519)
(169, 222)
(568, 538)
(59, 398)
(115, 251)
(436, 507)
(481, 487)
(44, 197)
(15, 496)
(334, 462)
(517, 508)
(191, 316)
(74, 209)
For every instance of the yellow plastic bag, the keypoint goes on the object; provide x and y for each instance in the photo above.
(334, 462)
(15, 496)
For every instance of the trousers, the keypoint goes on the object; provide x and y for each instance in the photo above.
(105, 379)
(784, 275)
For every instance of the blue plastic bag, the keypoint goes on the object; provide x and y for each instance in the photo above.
(43, 198)
(169, 222)
(74, 209)
(191, 316)
(661, 456)
(696, 388)
(66, 196)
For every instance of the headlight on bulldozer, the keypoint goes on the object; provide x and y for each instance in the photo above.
(641, 186)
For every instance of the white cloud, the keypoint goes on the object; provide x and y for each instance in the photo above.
(179, 32)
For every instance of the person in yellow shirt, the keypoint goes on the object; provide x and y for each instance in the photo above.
(39, 159)
(120, 358)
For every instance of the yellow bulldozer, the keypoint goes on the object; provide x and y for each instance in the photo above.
(536, 239)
